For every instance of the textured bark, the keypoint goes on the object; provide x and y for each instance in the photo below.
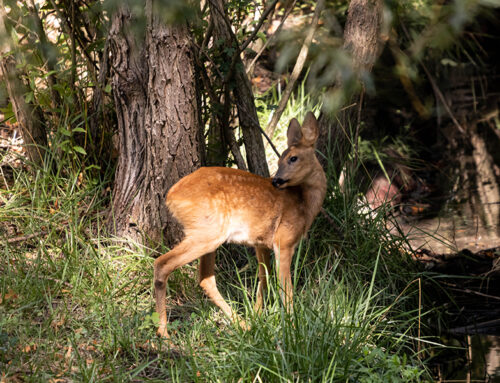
(362, 40)
(362, 33)
(155, 98)
(242, 91)
(29, 117)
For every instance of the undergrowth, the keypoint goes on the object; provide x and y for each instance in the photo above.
(77, 304)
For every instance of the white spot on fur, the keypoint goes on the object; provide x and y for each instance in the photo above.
(238, 232)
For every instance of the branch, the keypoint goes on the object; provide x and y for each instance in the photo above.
(233, 145)
(259, 25)
(69, 31)
(23, 238)
(285, 16)
(51, 62)
(437, 90)
(299, 65)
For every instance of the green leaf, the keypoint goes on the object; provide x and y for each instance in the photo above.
(29, 97)
(79, 149)
(262, 36)
(8, 113)
(65, 131)
(155, 317)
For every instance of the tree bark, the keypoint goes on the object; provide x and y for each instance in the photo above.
(363, 42)
(155, 98)
(29, 117)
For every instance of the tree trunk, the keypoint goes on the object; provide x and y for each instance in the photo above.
(242, 91)
(155, 98)
(362, 40)
(29, 117)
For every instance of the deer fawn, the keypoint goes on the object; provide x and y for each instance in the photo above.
(217, 205)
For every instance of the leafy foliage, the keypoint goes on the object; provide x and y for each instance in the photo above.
(77, 304)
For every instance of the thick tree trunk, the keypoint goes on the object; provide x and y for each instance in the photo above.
(362, 40)
(242, 91)
(155, 98)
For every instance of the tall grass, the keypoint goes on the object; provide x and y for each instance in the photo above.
(78, 306)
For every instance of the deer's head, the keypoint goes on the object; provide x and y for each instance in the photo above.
(299, 160)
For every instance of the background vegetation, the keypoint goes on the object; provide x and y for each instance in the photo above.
(76, 290)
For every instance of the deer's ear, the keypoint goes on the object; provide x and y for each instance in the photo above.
(294, 133)
(310, 130)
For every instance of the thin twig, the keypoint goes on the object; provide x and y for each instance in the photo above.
(235, 149)
(468, 291)
(92, 65)
(206, 39)
(203, 52)
(44, 43)
(269, 141)
(233, 145)
(442, 98)
(23, 238)
(437, 90)
(259, 25)
(282, 22)
(297, 70)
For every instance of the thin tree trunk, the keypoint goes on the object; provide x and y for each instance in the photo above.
(242, 91)
(48, 52)
(100, 118)
(362, 40)
(29, 117)
(155, 98)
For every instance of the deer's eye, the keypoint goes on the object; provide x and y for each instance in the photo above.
(293, 159)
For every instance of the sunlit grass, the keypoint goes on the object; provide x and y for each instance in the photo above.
(77, 304)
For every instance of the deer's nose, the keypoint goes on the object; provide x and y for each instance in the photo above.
(277, 182)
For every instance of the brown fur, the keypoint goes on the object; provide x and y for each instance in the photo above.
(217, 205)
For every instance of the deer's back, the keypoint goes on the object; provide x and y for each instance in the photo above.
(239, 206)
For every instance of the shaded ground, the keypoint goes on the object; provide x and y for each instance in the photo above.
(463, 259)
(449, 234)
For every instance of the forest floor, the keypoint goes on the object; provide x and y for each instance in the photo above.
(74, 305)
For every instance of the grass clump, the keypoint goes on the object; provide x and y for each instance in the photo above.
(76, 305)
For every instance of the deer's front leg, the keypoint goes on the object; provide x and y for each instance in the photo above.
(284, 256)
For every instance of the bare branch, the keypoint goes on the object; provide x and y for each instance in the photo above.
(297, 69)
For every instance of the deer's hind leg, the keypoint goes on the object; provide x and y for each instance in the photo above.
(206, 279)
(186, 251)
(263, 256)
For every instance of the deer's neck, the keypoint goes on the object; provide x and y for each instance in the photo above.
(313, 193)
